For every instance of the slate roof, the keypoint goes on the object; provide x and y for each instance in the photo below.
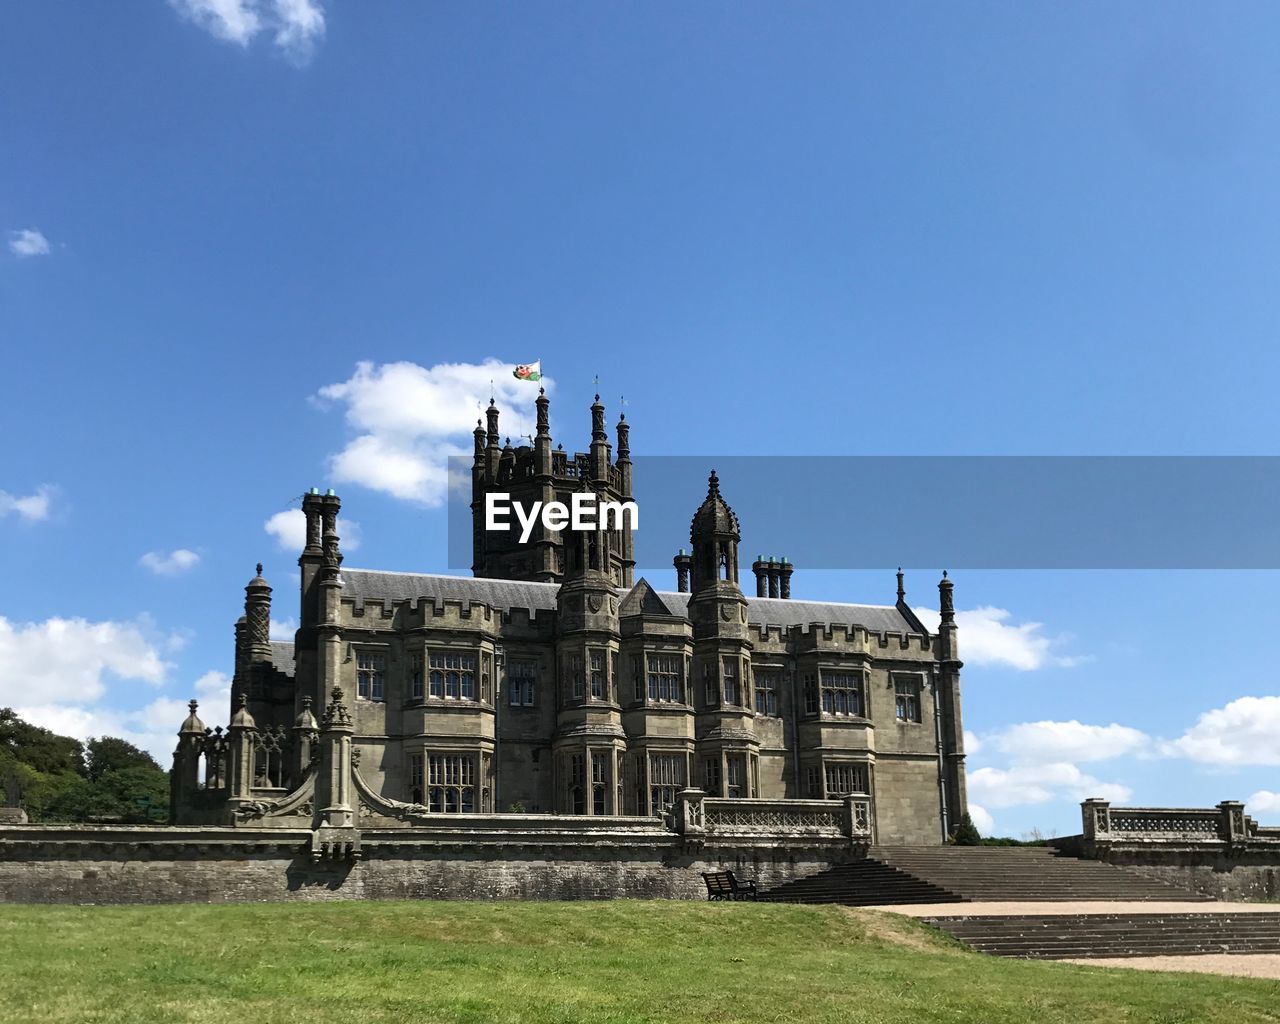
(363, 585)
(282, 656)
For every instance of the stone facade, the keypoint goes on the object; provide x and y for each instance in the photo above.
(551, 682)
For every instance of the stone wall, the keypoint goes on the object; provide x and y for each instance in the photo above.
(216, 865)
(1224, 876)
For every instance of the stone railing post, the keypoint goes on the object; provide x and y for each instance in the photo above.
(241, 737)
(1231, 824)
(333, 790)
(856, 823)
(689, 817)
(1095, 818)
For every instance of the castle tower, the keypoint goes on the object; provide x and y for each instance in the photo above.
(536, 473)
(589, 743)
(726, 762)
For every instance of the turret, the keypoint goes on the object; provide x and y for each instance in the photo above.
(714, 534)
(948, 695)
(184, 780)
(257, 616)
(599, 443)
(492, 449)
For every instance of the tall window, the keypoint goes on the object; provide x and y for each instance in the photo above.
(451, 783)
(664, 678)
(416, 682)
(599, 783)
(637, 675)
(710, 688)
(453, 675)
(906, 697)
(737, 777)
(810, 694)
(711, 775)
(813, 783)
(842, 693)
(578, 783)
(732, 685)
(416, 777)
(573, 676)
(843, 779)
(370, 669)
(767, 692)
(598, 681)
(666, 779)
(522, 678)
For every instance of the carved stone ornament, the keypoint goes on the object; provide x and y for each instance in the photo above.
(595, 601)
(726, 613)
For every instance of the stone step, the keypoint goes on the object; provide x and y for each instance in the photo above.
(1062, 936)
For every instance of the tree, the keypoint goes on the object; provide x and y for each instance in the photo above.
(966, 833)
(41, 749)
(109, 754)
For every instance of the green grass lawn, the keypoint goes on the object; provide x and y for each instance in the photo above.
(561, 962)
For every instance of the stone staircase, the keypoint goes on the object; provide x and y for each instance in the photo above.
(1026, 874)
(899, 875)
(863, 883)
(1059, 937)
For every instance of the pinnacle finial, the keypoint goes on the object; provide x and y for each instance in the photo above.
(259, 568)
(542, 391)
(192, 705)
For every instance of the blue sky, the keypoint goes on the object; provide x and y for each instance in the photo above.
(245, 241)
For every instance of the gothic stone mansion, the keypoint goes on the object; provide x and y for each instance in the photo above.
(551, 682)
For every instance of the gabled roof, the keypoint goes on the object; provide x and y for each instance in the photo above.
(642, 599)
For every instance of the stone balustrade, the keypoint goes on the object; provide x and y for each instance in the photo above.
(696, 815)
(1226, 822)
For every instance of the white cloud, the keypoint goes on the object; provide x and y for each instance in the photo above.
(33, 507)
(283, 629)
(65, 660)
(1239, 733)
(972, 743)
(173, 564)
(982, 819)
(296, 25)
(289, 528)
(153, 727)
(28, 242)
(1263, 802)
(988, 638)
(299, 27)
(1039, 783)
(411, 418)
(1045, 742)
(213, 690)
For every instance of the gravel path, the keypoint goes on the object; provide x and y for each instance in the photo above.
(1246, 965)
(1079, 907)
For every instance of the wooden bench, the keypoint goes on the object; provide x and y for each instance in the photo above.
(722, 885)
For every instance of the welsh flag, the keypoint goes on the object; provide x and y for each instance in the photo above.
(528, 371)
